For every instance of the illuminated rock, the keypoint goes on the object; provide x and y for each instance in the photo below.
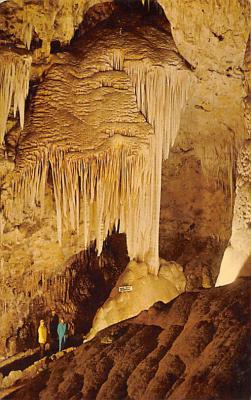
(146, 289)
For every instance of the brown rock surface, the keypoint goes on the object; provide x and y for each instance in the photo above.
(197, 347)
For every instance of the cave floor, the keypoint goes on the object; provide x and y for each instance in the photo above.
(196, 347)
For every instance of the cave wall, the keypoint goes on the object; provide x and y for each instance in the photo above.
(236, 260)
(210, 35)
(198, 181)
(202, 164)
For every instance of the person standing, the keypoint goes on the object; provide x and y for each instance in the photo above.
(53, 330)
(42, 337)
(61, 330)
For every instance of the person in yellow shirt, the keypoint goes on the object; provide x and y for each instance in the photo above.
(42, 337)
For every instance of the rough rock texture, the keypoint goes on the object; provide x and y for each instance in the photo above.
(26, 368)
(210, 37)
(247, 84)
(196, 347)
(210, 34)
(193, 231)
(224, 109)
(194, 24)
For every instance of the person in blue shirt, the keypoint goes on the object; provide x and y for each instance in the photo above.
(62, 331)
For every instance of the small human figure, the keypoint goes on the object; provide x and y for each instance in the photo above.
(53, 330)
(42, 337)
(61, 330)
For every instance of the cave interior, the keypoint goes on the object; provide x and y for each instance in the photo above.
(125, 198)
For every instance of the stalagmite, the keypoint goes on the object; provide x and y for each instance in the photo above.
(14, 87)
(146, 290)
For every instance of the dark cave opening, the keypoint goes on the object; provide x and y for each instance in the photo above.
(123, 14)
(82, 288)
(94, 277)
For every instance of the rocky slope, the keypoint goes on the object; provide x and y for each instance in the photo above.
(197, 347)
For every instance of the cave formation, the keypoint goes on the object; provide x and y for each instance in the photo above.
(125, 162)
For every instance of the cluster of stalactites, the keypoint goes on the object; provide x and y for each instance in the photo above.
(46, 288)
(92, 196)
(117, 188)
(161, 94)
(14, 87)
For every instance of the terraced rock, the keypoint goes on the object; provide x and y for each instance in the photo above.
(196, 347)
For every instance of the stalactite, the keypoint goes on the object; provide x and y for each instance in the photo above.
(118, 59)
(14, 87)
(26, 34)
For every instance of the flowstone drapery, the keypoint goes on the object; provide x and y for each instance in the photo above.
(89, 136)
